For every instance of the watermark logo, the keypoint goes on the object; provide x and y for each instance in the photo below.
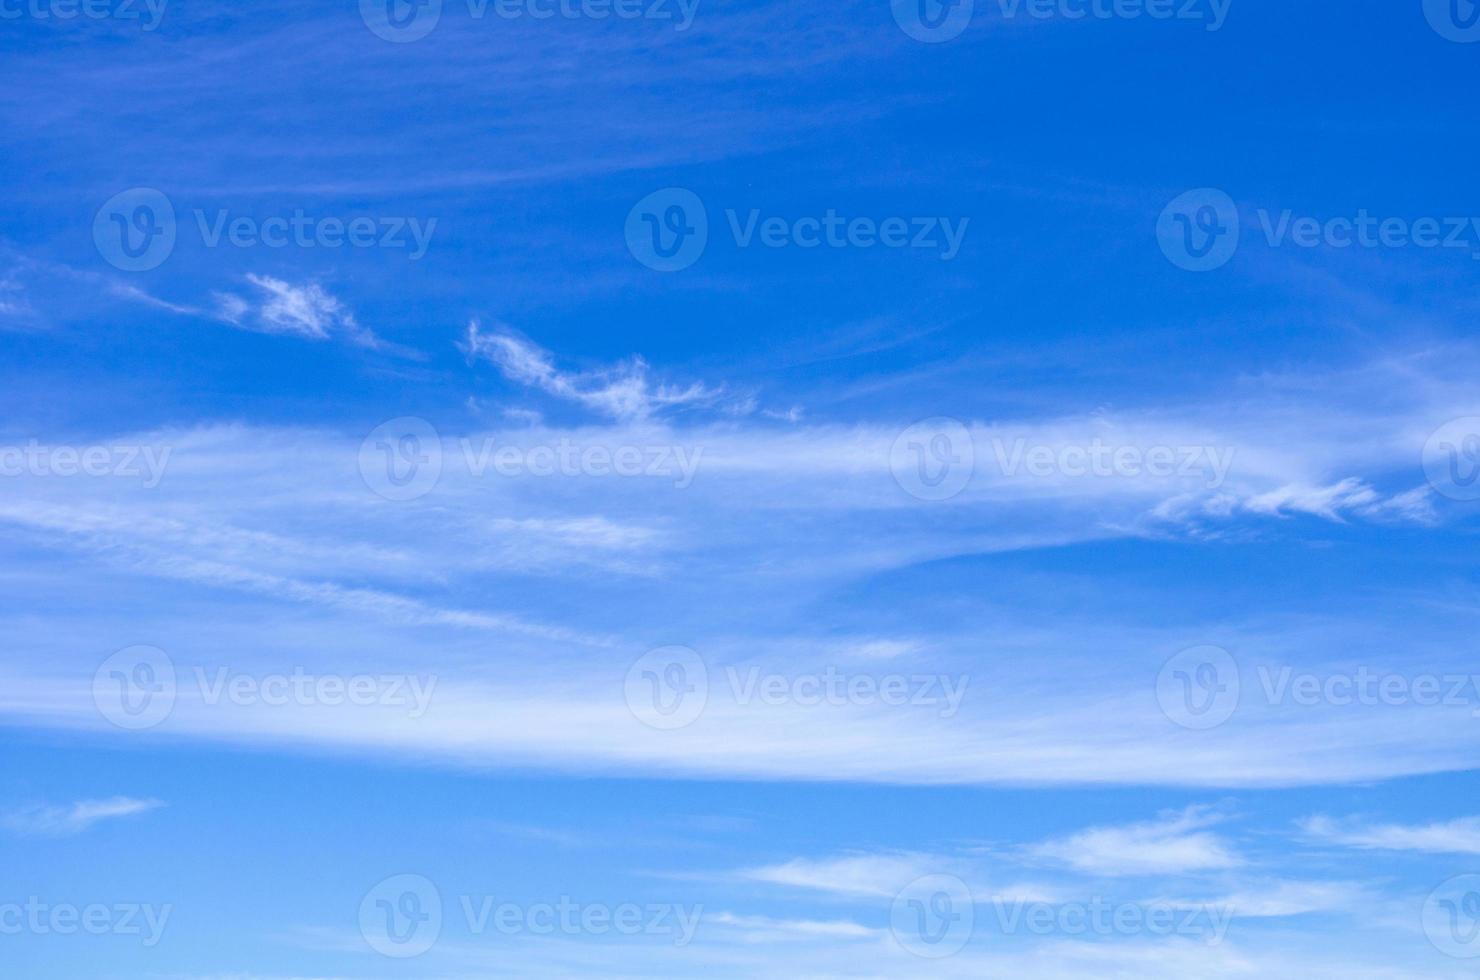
(134, 230)
(135, 688)
(933, 916)
(401, 917)
(667, 688)
(1199, 230)
(1199, 688)
(1451, 459)
(933, 459)
(1451, 917)
(1202, 688)
(933, 21)
(401, 21)
(401, 458)
(1454, 20)
(668, 229)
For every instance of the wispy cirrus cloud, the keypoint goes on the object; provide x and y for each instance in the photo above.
(74, 818)
(1459, 836)
(621, 391)
(877, 875)
(303, 310)
(1175, 843)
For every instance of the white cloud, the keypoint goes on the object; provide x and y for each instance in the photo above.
(305, 310)
(63, 821)
(1289, 898)
(620, 392)
(761, 929)
(876, 875)
(1461, 836)
(1175, 844)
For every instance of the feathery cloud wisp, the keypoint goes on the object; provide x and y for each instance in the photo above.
(64, 821)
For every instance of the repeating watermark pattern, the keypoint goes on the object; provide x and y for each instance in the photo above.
(933, 916)
(37, 917)
(936, 459)
(1203, 687)
(1200, 231)
(668, 688)
(1451, 917)
(568, 917)
(138, 687)
(668, 230)
(933, 459)
(1454, 20)
(133, 462)
(1451, 459)
(1200, 687)
(303, 230)
(403, 916)
(837, 688)
(402, 21)
(403, 458)
(1098, 458)
(1368, 688)
(135, 688)
(934, 21)
(936, 916)
(148, 13)
(136, 230)
(1101, 918)
(566, 458)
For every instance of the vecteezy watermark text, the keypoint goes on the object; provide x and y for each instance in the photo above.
(132, 462)
(1204, 686)
(403, 459)
(149, 13)
(1099, 917)
(41, 918)
(1201, 229)
(668, 230)
(669, 687)
(403, 916)
(136, 230)
(1101, 459)
(139, 686)
(934, 21)
(402, 21)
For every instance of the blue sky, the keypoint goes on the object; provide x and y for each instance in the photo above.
(722, 489)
